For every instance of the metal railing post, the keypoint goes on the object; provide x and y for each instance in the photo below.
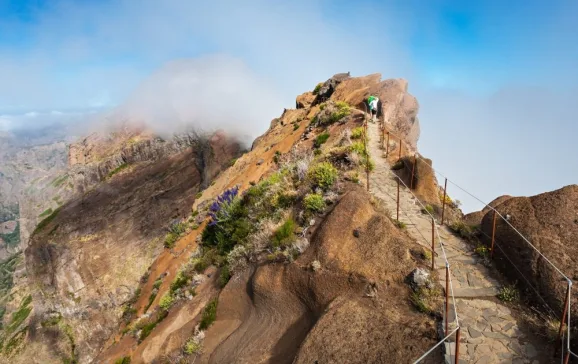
(457, 358)
(444, 201)
(566, 302)
(447, 296)
(493, 235)
(433, 253)
(397, 215)
(387, 146)
(413, 170)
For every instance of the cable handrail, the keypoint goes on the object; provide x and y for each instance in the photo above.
(490, 207)
(496, 212)
(436, 345)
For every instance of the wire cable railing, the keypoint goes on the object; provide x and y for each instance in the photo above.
(496, 213)
(449, 289)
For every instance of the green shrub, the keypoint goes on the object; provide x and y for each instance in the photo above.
(224, 276)
(42, 224)
(285, 234)
(321, 139)
(157, 283)
(428, 209)
(400, 224)
(359, 148)
(146, 330)
(192, 347)
(166, 301)
(317, 88)
(123, 360)
(170, 240)
(117, 169)
(508, 294)
(367, 163)
(342, 111)
(232, 162)
(314, 202)
(199, 195)
(482, 250)
(419, 303)
(276, 157)
(179, 282)
(295, 126)
(323, 175)
(357, 133)
(209, 314)
(45, 213)
(462, 229)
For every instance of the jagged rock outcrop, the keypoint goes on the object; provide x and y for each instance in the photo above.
(550, 222)
(399, 108)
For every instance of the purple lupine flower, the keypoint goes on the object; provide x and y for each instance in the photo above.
(216, 208)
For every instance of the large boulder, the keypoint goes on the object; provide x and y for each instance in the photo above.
(550, 222)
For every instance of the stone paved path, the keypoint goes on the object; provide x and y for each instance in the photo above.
(489, 334)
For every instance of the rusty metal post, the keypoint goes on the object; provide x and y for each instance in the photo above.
(397, 216)
(444, 201)
(458, 345)
(413, 171)
(447, 296)
(566, 302)
(433, 252)
(387, 146)
(493, 235)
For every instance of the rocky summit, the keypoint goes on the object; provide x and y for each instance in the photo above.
(129, 247)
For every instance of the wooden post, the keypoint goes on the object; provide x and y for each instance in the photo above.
(447, 296)
(387, 146)
(433, 252)
(444, 201)
(458, 345)
(397, 215)
(567, 358)
(566, 301)
(413, 171)
(493, 235)
(400, 148)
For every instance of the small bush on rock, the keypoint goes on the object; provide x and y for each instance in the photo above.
(323, 175)
(508, 294)
(321, 139)
(317, 88)
(285, 234)
(314, 202)
(357, 133)
(209, 314)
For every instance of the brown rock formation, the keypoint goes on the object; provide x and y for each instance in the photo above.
(550, 222)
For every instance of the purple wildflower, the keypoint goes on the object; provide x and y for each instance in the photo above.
(216, 208)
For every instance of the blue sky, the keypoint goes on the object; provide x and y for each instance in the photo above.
(496, 80)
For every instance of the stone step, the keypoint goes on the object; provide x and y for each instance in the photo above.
(475, 292)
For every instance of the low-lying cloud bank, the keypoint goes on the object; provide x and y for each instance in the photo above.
(206, 94)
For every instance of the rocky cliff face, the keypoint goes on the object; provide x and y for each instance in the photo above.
(86, 259)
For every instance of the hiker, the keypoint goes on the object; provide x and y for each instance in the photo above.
(373, 101)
